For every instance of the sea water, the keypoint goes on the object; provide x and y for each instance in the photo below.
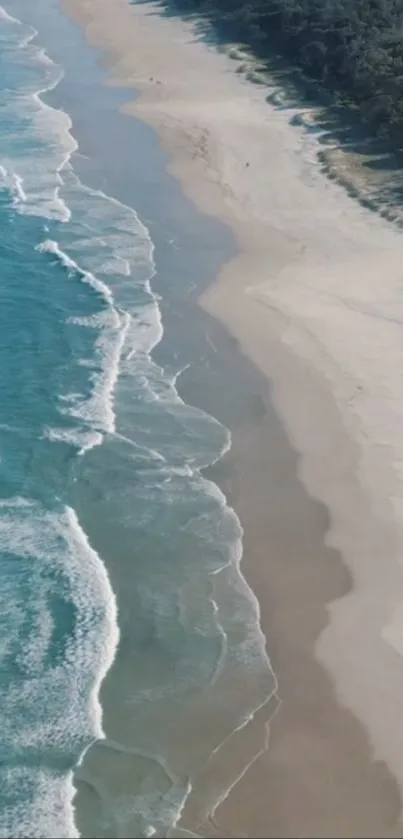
(103, 502)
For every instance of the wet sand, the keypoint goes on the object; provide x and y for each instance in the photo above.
(305, 284)
(318, 777)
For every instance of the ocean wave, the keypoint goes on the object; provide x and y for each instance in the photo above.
(50, 708)
(106, 247)
(180, 458)
(46, 130)
(83, 440)
(43, 806)
(51, 247)
(107, 234)
(112, 326)
(98, 409)
(4, 15)
(13, 183)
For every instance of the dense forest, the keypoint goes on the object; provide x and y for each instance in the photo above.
(353, 47)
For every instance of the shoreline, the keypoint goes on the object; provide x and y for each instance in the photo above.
(206, 175)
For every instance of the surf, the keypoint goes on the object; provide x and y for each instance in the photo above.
(118, 415)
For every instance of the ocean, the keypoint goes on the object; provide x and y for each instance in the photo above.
(130, 646)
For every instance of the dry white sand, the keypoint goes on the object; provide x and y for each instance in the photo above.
(315, 298)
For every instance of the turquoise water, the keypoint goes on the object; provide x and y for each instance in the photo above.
(110, 537)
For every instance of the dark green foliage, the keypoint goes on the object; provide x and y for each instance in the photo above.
(353, 47)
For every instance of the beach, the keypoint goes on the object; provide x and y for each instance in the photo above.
(313, 300)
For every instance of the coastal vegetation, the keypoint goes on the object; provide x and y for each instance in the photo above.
(354, 48)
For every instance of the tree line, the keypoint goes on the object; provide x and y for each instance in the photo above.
(352, 47)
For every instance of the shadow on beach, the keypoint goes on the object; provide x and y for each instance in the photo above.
(364, 165)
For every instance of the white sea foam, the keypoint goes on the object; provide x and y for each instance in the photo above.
(126, 244)
(36, 190)
(47, 131)
(48, 539)
(49, 246)
(98, 583)
(13, 183)
(54, 559)
(98, 409)
(50, 811)
(54, 543)
(30, 36)
(126, 241)
(7, 17)
(20, 193)
(116, 245)
(113, 325)
(83, 440)
(143, 332)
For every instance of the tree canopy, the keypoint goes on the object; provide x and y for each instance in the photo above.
(354, 47)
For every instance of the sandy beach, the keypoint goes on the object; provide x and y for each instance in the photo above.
(314, 301)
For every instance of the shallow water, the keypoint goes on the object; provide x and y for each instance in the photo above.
(113, 546)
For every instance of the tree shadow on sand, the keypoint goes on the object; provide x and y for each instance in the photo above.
(366, 166)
